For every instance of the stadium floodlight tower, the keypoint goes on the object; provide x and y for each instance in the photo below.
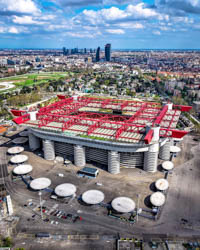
(40, 195)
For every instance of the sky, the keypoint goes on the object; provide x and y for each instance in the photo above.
(126, 24)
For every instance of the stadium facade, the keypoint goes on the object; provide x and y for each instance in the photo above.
(115, 133)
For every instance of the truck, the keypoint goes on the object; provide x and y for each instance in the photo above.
(42, 235)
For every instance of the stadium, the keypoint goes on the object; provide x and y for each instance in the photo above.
(111, 132)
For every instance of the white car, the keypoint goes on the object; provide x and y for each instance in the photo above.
(99, 184)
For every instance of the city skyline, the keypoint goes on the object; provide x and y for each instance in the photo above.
(131, 24)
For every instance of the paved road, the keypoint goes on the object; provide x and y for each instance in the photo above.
(183, 199)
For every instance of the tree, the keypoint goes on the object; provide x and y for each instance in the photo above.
(8, 242)
(107, 82)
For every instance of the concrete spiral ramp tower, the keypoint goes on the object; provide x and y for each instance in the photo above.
(49, 152)
(151, 158)
(113, 162)
(79, 156)
(34, 142)
(164, 153)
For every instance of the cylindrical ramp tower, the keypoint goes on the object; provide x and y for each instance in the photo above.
(164, 152)
(151, 158)
(113, 162)
(34, 142)
(49, 151)
(79, 156)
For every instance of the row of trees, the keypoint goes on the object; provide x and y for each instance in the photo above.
(23, 99)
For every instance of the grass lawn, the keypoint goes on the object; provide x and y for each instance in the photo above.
(33, 79)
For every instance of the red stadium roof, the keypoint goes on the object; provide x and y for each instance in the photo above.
(112, 119)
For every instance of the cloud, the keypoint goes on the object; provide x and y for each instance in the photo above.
(120, 2)
(156, 32)
(26, 20)
(80, 35)
(53, 27)
(13, 30)
(114, 14)
(183, 19)
(164, 28)
(178, 7)
(84, 3)
(47, 17)
(141, 11)
(129, 19)
(131, 25)
(19, 6)
(115, 31)
(77, 3)
(2, 29)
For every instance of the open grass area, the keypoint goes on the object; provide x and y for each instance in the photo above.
(33, 79)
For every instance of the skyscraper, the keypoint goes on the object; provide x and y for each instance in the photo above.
(64, 51)
(108, 52)
(98, 54)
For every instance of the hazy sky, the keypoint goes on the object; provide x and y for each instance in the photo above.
(125, 24)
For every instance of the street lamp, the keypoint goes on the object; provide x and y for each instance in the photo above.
(138, 200)
(40, 195)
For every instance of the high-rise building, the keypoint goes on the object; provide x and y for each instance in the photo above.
(98, 54)
(64, 51)
(108, 52)
(85, 50)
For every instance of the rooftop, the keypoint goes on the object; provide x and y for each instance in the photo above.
(106, 119)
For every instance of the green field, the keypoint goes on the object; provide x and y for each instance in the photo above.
(33, 79)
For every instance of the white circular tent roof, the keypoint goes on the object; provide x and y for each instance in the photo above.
(20, 140)
(59, 159)
(23, 133)
(23, 169)
(65, 189)
(40, 183)
(123, 204)
(157, 199)
(18, 159)
(15, 150)
(93, 197)
(175, 149)
(162, 184)
(168, 165)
